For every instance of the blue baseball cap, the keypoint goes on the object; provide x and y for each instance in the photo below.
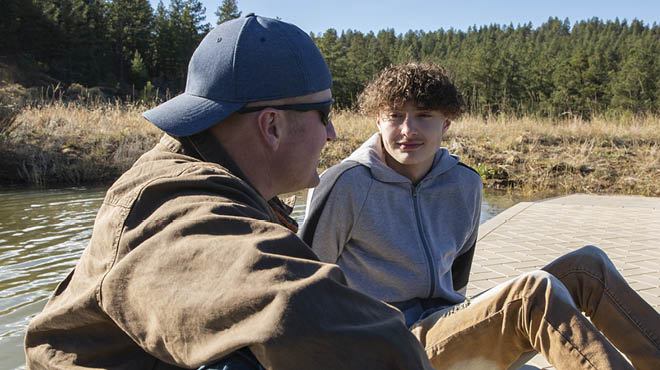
(244, 60)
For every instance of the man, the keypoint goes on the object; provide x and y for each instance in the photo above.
(400, 216)
(193, 260)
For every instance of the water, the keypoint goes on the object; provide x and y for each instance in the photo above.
(43, 233)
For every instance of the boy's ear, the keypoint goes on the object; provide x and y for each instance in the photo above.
(270, 128)
(445, 126)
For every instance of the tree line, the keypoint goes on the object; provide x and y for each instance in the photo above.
(555, 69)
(112, 43)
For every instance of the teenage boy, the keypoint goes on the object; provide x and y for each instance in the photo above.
(400, 217)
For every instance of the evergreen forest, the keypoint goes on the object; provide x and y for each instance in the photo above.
(555, 69)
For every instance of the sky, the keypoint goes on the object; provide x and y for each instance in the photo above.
(430, 15)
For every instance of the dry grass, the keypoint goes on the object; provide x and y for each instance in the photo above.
(57, 143)
(73, 144)
(352, 130)
(605, 155)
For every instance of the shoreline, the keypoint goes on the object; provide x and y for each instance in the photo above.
(67, 145)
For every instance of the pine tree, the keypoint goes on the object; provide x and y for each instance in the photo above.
(139, 74)
(333, 50)
(186, 31)
(635, 83)
(130, 30)
(227, 11)
(16, 17)
(163, 62)
(72, 39)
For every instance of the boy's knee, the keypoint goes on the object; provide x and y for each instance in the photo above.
(589, 258)
(592, 255)
(538, 280)
(544, 284)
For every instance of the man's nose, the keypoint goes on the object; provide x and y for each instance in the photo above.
(330, 131)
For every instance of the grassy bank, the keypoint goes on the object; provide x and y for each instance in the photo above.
(619, 155)
(74, 144)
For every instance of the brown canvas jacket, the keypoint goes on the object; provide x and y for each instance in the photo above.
(187, 263)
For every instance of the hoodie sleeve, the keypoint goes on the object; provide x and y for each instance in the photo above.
(463, 263)
(336, 202)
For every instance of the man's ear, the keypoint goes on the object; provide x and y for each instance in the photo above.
(271, 128)
(445, 126)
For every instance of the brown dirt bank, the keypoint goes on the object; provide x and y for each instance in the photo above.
(73, 144)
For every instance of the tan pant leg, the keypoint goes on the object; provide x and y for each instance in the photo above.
(532, 312)
(600, 291)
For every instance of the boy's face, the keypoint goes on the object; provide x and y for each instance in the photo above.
(411, 136)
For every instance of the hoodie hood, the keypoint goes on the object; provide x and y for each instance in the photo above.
(371, 155)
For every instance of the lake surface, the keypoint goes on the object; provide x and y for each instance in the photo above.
(43, 233)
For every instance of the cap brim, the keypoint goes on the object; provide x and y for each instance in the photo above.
(188, 114)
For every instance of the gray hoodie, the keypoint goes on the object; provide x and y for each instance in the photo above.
(394, 240)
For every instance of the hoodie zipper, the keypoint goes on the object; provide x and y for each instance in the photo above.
(425, 244)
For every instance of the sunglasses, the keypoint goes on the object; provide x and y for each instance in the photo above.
(323, 108)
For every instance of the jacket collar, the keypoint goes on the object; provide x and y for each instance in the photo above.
(207, 148)
(370, 154)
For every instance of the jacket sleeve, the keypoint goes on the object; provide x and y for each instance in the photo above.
(201, 278)
(332, 211)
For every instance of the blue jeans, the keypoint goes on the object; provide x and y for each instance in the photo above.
(242, 359)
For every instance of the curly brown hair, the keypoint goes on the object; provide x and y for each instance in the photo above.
(427, 85)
